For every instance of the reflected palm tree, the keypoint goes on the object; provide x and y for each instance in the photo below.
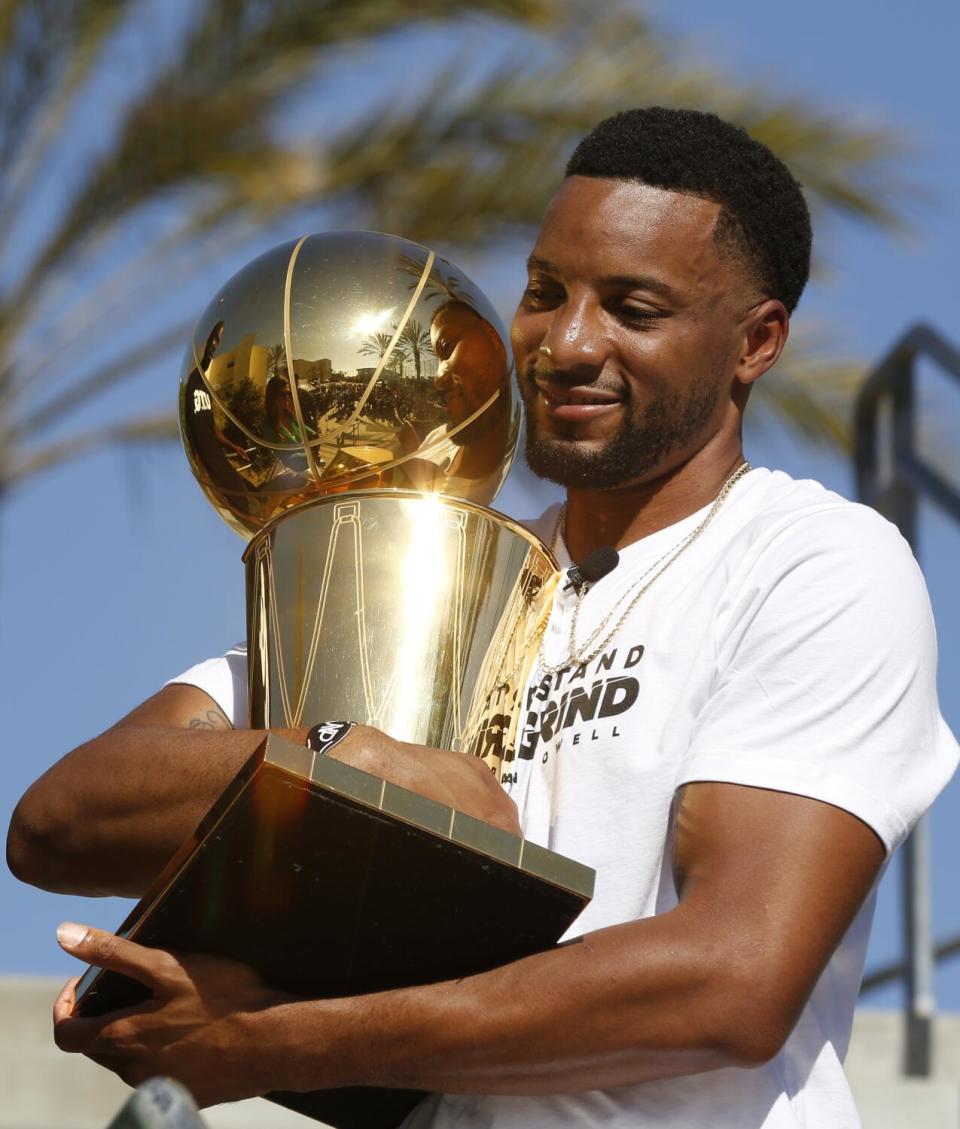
(417, 340)
(376, 345)
(399, 358)
(439, 287)
(276, 359)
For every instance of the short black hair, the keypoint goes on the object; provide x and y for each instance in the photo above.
(452, 304)
(763, 212)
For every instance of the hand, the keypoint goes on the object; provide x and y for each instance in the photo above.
(196, 1029)
(458, 780)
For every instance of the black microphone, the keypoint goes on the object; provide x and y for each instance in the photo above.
(594, 568)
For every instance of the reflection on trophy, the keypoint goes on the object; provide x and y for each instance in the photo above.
(346, 404)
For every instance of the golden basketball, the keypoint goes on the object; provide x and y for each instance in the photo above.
(346, 361)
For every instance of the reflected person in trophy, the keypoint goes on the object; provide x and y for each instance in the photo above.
(278, 407)
(735, 726)
(472, 377)
(280, 411)
(219, 453)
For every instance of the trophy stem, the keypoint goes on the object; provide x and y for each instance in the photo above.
(417, 614)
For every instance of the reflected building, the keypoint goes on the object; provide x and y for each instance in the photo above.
(248, 359)
(313, 373)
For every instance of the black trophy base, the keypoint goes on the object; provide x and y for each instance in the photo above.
(331, 882)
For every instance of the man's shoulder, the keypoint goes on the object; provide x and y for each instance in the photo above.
(799, 532)
(774, 506)
(224, 679)
(783, 512)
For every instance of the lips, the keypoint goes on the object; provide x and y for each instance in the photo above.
(577, 402)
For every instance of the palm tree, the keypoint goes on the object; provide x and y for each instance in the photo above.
(416, 339)
(110, 241)
(377, 344)
(276, 358)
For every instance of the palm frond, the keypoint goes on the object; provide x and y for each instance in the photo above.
(197, 123)
(160, 427)
(464, 158)
(456, 170)
(815, 398)
(46, 53)
(80, 392)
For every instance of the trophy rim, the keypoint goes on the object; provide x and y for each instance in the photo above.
(412, 495)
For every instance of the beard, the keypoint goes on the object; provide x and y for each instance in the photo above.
(667, 425)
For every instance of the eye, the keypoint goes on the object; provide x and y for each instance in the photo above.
(640, 316)
(540, 296)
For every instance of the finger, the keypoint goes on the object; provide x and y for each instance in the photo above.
(79, 1036)
(125, 1068)
(106, 950)
(113, 1063)
(64, 1003)
(99, 1034)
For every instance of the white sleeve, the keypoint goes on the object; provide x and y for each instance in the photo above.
(826, 676)
(225, 680)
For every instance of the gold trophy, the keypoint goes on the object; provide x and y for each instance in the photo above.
(347, 405)
(348, 401)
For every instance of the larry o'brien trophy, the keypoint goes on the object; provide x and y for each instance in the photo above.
(347, 405)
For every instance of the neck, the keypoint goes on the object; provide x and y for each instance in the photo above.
(626, 514)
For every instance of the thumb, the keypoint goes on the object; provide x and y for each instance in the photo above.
(107, 950)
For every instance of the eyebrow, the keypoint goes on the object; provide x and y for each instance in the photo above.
(632, 281)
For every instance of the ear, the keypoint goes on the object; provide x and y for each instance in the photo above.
(765, 331)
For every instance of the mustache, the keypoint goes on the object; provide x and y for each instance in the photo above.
(537, 374)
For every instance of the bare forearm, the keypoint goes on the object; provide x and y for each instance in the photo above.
(622, 1005)
(768, 882)
(106, 818)
(718, 981)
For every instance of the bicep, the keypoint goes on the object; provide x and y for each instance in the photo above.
(178, 706)
(780, 876)
(823, 684)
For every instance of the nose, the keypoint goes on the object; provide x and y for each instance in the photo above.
(574, 338)
(442, 379)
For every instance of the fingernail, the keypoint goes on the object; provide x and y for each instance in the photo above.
(69, 934)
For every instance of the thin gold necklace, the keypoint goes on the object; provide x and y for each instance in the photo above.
(579, 656)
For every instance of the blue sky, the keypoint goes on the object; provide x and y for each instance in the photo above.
(116, 575)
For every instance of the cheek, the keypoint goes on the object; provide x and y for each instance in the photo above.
(481, 365)
(669, 354)
(650, 358)
(707, 337)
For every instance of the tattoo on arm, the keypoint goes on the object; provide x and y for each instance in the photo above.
(212, 719)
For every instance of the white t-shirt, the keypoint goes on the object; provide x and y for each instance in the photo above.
(789, 647)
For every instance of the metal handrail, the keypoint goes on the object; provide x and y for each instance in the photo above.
(894, 486)
(897, 970)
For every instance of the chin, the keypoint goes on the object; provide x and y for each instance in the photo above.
(572, 463)
(625, 458)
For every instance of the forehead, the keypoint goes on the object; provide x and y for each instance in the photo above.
(456, 318)
(596, 228)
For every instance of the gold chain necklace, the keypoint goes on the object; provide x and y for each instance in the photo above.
(585, 653)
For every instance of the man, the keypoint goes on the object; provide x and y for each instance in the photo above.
(735, 726)
(206, 440)
(471, 366)
(464, 455)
